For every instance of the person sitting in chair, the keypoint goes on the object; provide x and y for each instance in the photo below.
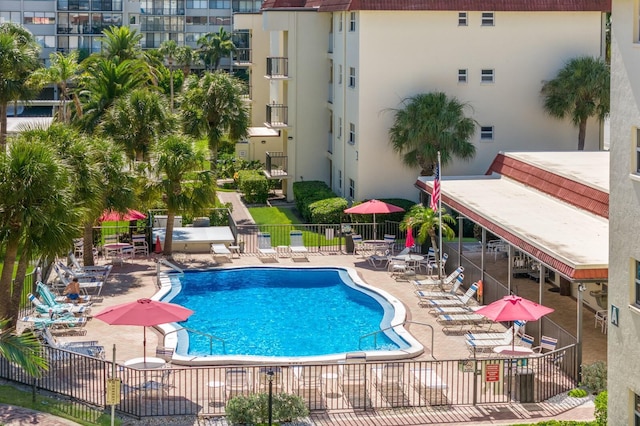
(72, 291)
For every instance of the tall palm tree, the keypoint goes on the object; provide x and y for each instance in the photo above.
(580, 90)
(34, 185)
(185, 186)
(427, 222)
(213, 106)
(429, 123)
(169, 49)
(215, 46)
(23, 350)
(185, 57)
(136, 120)
(62, 71)
(121, 44)
(19, 57)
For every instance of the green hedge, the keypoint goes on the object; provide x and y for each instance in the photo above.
(308, 192)
(253, 409)
(254, 185)
(328, 211)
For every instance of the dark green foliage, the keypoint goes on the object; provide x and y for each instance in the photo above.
(601, 409)
(594, 376)
(329, 210)
(254, 185)
(252, 409)
(578, 393)
(307, 193)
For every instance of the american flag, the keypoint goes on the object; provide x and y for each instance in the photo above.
(435, 195)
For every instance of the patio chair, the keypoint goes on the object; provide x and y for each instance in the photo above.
(237, 382)
(276, 378)
(379, 261)
(458, 323)
(95, 269)
(547, 344)
(390, 241)
(389, 381)
(50, 299)
(449, 280)
(164, 353)
(220, 251)
(355, 383)
(265, 249)
(431, 295)
(58, 308)
(601, 320)
(296, 245)
(140, 245)
(487, 345)
(308, 384)
(459, 301)
(517, 325)
(453, 310)
(61, 322)
(84, 285)
(82, 275)
(87, 347)
(432, 267)
(358, 244)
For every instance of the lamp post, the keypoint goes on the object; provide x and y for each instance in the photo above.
(270, 408)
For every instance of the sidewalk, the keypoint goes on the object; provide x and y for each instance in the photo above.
(239, 213)
(14, 416)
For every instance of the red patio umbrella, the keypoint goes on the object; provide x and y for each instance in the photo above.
(114, 216)
(409, 242)
(144, 312)
(374, 207)
(514, 308)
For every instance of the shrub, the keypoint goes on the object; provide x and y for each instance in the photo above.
(329, 210)
(594, 376)
(308, 192)
(254, 186)
(578, 393)
(601, 409)
(252, 409)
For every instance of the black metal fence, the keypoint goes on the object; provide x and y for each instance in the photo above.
(204, 391)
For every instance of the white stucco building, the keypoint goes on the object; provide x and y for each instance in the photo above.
(624, 257)
(337, 69)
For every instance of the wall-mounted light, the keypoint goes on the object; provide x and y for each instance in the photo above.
(356, 155)
(582, 287)
(301, 177)
(290, 138)
(263, 142)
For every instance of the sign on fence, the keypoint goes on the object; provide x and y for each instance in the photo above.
(492, 372)
(113, 391)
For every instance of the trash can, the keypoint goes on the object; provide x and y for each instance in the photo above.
(524, 385)
(350, 247)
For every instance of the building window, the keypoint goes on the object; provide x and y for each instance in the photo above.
(352, 21)
(462, 19)
(47, 42)
(219, 4)
(339, 73)
(352, 133)
(339, 127)
(462, 76)
(39, 18)
(636, 409)
(637, 296)
(352, 77)
(486, 133)
(219, 20)
(352, 189)
(487, 76)
(340, 179)
(487, 19)
(6, 17)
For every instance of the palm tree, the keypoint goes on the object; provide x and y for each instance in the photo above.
(213, 106)
(169, 50)
(23, 350)
(580, 90)
(185, 56)
(427, 222)
(136, 120)
(34, 194)
(184, 185)
(121, 44)
(429, 123)
(19, 57)
(63, 71)
(215, 46)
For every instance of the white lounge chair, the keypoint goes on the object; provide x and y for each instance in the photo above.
(453, 310)
(88, 347)
(220, 251)
(296, 245)
(431, 295)
(389, 380)
(308, 384)
(430, 385)
(518, 325)
(84, 275)
(264, 246)
(449, 280)
(461, 301)
(85, 286)
(237, 382)
(94, 269)
(458, 322)
(66, 322)
(487, 345)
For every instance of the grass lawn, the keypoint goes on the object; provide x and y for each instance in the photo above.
(273, 215)
(67, 410)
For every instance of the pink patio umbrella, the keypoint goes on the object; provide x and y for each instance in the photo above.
(514, 308)
(374, 207)
(114, 216)
(410, 241)
(144, 312)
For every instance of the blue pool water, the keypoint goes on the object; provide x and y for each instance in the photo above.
(281, 312)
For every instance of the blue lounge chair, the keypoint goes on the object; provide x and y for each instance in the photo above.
(58, 308)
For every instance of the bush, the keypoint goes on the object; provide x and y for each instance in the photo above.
(329, 210)
(594, 376)
(578, 393)
(601, 408)
(308, 192)
(254, 186)
(252, 409)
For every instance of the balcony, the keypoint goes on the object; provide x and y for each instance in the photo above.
(242, 57)
(276, 165)
(277, 115)
(277, 67)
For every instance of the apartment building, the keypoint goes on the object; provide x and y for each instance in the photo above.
(336, 70)
(624, 204)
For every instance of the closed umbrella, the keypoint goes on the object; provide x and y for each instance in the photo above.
(374, 207)
(410, 241)
(144, 312)
(514, 308)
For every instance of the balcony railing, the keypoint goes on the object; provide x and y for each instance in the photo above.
(277, 115)
(277, 67)
(242, 56)
(276, 165)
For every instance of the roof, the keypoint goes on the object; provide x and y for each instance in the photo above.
(17, 124)
(550, 225)
(451, 5)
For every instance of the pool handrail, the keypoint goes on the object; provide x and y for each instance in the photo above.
(210, 336)
(375, 334)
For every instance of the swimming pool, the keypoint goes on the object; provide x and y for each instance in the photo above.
(285, 313)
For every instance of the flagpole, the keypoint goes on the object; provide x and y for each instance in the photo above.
(440, 221)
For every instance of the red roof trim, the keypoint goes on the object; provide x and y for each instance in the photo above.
(470, 5)
(548, 259)
(572, 192)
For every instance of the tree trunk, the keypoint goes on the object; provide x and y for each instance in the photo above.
(171, 82)
(582, 131)
(3, 126)
(87, 241)
(10, 255)
(18, 283)
(168, 233)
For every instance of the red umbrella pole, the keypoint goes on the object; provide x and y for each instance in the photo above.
(144, 345)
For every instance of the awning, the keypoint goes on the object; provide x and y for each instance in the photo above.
(569, 239)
